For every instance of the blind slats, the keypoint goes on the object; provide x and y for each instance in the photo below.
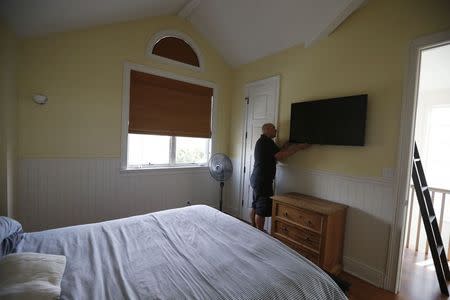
(176, 49)
(165, 106)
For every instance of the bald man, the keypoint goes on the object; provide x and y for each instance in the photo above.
(267, 153)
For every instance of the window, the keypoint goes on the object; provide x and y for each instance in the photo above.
(438, 146)
(176, 48)
(167, 122)
(146, 151)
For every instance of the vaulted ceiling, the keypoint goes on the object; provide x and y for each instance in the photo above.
(241, 30)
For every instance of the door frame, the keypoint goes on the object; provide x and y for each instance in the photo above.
(276, 79)
(404, 154)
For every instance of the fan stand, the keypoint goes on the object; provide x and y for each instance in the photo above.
(221, 192)
(220, 168)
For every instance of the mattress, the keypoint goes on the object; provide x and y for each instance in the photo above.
(195, 252)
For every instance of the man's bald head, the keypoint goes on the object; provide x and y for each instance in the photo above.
(269, 130)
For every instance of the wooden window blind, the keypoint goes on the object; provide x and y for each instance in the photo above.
(164, 106)
(176, 49)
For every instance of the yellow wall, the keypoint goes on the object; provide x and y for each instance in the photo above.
(81, 73)
(7, 118)
(366, 54)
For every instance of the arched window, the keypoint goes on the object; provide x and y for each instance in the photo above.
(175, 47)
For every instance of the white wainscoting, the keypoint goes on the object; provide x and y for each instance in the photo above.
(60, 192)
(369, 216)
(234, 200)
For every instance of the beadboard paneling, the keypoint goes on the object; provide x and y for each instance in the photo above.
(369, 216)
(60, 192)
(234, 199)
(372, 195)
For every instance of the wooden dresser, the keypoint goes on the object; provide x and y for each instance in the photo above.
(313, 227)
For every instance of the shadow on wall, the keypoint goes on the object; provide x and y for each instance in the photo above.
(366, 245)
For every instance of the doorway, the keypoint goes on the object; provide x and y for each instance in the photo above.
(432, 136)
(261, 102)
(422, 114)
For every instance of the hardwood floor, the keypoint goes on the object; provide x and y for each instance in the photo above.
(418, 282)
(361, 290)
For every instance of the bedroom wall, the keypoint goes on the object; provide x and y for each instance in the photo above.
(80, 126)
(8, 113)
(365, 54)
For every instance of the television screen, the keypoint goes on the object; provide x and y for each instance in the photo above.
(337, 121)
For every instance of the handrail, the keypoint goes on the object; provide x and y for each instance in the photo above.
(413, 206)
(439, 190)
(435, 189)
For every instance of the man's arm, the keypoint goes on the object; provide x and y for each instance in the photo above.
(290, 149)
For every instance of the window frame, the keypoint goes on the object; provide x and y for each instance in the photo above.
(126, 113)
(176, 34)
(172, 158)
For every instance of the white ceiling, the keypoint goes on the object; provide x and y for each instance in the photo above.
(39, 17)
(241, 30)
(247, 30)
(435, 69)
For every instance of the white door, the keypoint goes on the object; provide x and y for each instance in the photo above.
(262, 107)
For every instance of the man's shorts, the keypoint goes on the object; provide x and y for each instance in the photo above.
(262, 205)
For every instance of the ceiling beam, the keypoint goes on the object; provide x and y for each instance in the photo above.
(340, 18)
(188, 8)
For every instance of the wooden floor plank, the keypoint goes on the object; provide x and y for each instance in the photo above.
(418, 282)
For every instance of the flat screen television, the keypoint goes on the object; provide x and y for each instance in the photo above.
(336, 121)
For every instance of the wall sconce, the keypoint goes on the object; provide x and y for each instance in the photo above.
(40, 99)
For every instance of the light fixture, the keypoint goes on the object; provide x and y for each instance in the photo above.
(40, 99)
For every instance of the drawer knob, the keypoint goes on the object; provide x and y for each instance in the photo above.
(284, 229)
(285, 214)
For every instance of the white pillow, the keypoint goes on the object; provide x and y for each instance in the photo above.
(31, 276)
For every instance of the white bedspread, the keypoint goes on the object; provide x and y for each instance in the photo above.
(195, 252)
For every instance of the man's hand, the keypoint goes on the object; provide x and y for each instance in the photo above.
(289, 149)
(295, 147)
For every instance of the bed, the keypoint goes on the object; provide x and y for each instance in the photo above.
(195, 252)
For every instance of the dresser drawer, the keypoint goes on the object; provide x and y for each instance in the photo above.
(302, 236)
(304, 218)
(312, 227)
(310, 255)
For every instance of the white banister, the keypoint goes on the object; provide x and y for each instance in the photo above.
(432, 203)
(414, 232)
(411, 205)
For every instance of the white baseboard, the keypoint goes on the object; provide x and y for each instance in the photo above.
(363, 271)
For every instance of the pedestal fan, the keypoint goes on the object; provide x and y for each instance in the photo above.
(220, 168)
